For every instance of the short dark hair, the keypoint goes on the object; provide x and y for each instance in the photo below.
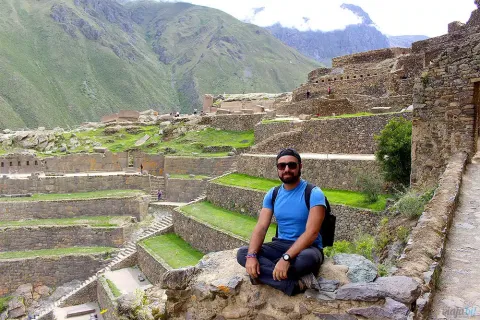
(289, 152)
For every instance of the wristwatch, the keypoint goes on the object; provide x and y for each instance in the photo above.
(286, 257)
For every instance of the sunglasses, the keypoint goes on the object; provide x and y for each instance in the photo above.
(283, 165)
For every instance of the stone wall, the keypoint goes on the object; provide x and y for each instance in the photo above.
(326, 173)
(51, 237)
(320, 106)
(49, 271)
(151, 266)
(70, 184)
(131, 206)
(233, 122)
(184, 190)
(350, 221)
(334, 136)
(203, 237)
(368, 57)
(106, 300)
(446, 105)
(81, 162)
(424, 254)
(199, 166)
(86, 295)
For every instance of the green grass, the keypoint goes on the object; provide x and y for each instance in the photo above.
(113, 288)
(189, 144)
(173, 250)
(99, 221)
(354, 115)
(236, 223)
(187, 177)
(55, 252)
(77, 196)
(343, 197)
(4, 303)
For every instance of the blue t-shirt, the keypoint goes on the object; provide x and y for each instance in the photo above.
(291, 212)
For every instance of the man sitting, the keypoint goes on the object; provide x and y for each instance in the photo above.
(289, 262)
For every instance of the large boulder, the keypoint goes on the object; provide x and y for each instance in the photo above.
(360, 269)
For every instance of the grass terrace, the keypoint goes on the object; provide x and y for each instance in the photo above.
(230, 221)
(191, 143)
(173, 250)
(342, 197)
(78, 195)
(56, 252)
(99, 221)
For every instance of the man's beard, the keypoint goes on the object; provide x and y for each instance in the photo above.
(291, 179)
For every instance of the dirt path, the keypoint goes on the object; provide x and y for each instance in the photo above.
(459, 293)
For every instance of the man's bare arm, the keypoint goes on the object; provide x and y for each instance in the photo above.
(314, 223)
(260, 230)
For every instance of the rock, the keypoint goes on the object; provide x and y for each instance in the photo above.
(328, 270)
(304, 117)
(335, 316)
(360, 269)
(191, 176)
(7, 131)
(319, 295)
(100, 149)
(400, 288)
(231, 154)
(255, 299)
(390, 310)
(178, 279)
(202, 291)
(328, 285)
(43, 291)
(164, 124)
(41, 129)
(227, 287)
(141, 141)
(16, 308)
(63, 149)
(25, 290)
(360, 291)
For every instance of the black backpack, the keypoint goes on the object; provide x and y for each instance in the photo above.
(327, 231)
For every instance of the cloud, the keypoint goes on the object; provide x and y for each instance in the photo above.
(426, 17)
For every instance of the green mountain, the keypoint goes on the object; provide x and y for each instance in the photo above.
(63, 62)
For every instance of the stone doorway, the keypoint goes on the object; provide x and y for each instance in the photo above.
(476, 122)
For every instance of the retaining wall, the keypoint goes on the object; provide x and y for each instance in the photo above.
(423, 260)
(202, 236)
(184, 190)
(50, 237)
(49, 271)
(350, 221)
(81, 162)
(106, 300)
(132, 206)
(70, 184)
(325, 173)
(199, 166)
(233, 122)
(336, 135)
(151, 266)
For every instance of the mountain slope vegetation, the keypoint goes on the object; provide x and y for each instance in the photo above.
(64, 62)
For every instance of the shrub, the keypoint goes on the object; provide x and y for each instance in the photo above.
(402, 234)
(410, 205)
(341, 246)
(394, 146)
(364, 245)
(371, 185)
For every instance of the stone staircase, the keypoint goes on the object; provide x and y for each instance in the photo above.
(158, 226)
(155, 185)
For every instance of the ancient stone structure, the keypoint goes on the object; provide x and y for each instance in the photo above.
(362, 81)
(249, 103)
(122, 116)
(446, 100)
(199, 166)
(184, 190)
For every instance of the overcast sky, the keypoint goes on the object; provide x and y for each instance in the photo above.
(393, 17)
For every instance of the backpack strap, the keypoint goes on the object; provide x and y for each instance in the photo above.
(308, 193)
(274, 197)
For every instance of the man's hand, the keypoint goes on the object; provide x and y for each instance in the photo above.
(253, 267)
(281, 269)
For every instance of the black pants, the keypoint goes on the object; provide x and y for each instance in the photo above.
(309, 260)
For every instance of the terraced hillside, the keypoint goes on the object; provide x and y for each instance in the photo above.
(65, 62)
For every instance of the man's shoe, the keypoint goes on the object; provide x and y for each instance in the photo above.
(254, 281)
(309, 281)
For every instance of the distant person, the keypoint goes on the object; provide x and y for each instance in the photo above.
(195, 111)
(329, 90)
(159, 195)
(141, 168)
(290, 262)
(177, 114)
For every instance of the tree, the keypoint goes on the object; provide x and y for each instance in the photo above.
(394, 146)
